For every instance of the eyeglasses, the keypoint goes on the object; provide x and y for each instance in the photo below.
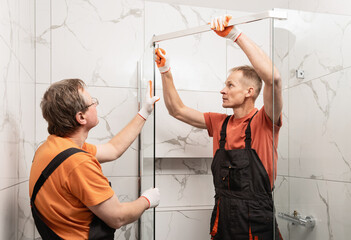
(93, 101)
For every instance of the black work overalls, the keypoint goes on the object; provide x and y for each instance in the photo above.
(98, 230)
(243, 201)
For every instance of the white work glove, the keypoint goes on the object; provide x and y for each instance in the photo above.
(152, 195)
(162, 60)
(149, 101)
(220, 26)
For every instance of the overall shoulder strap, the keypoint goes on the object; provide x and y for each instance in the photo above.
(224, 132)
(248, 133)
(50, 168)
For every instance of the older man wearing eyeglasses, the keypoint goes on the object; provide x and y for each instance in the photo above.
(70, 196)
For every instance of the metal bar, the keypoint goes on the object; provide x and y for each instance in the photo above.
(275, 14)
(308, 221)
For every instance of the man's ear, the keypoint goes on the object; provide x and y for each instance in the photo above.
(80, 118)
(250, 92)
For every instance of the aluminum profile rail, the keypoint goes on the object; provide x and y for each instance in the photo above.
(273, 14)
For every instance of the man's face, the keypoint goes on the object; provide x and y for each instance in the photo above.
(234, 92)
(91, 112)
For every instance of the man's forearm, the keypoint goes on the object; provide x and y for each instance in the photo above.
(170, 94)
(120, 142)
(127, 135)
(131, 211)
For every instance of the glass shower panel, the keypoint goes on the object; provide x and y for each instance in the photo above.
(200, 65)
(183, 152)
(313, 184)
(146, 144)
(262, 34)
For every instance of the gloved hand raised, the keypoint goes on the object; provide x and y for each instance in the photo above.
(152, 195)
(162, 60)
(148, 104)
(220, 26)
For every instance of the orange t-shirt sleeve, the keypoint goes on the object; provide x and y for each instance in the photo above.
(88, 184)
(90, 148)
(211, 119)
(267, 121)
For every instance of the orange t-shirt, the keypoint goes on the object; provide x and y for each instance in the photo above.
(77, 183)
(261, 134)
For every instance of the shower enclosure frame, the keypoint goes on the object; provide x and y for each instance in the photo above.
(271, 14)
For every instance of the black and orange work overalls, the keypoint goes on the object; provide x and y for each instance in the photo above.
(98, 230)
(243, 202)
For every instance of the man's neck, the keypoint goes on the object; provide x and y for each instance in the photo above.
(79, 137)
(242, 111)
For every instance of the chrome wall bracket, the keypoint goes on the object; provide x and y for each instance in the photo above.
(296, 218)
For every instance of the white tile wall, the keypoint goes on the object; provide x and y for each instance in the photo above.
(46, 41)
(207, 51)
(117, 106)
(126, 189)
(183, 140)
(9, 210)
(98, 42)
(17, 111)
(193, 225)
(315, 181)
(43, 41)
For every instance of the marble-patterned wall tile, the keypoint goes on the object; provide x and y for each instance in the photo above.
(9, 209)
(40, 123)
(17, 117)
(25, 128)
(185, 190)
(26, 38)
(16, 114)
(282, 204)
(9, 29)
(147, 225)
(325, 201)
(26, 88)
(258, 31)
(9, 137)
(197, 61)
(43, 41)
(25, 220)
(283, 139)
(345, 44)
(126, 189)
(99, 42)
(318, 144)
(307, 45)
(193, 225)
(169, 166)
(280, 44)
(177, 139)
(9, 77)
(117, 107)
